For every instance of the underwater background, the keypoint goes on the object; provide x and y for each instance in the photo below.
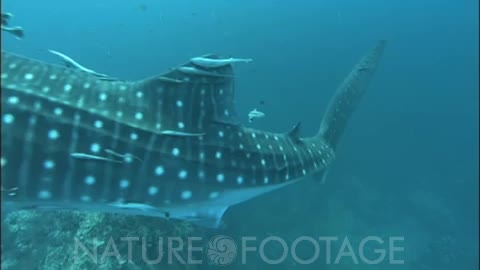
(407, 165)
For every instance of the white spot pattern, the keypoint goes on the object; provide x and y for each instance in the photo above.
(90, 180)
(95, 147)
(44, 195)
(182, 174)
(58, 111)
(13, 100)
(98, 124)
(28, 76)
(159, 170)
(49, 164)
(139, 116)
(240, 180)
(67, 87)
(152, 190)
(8, 118)
(53, 134)
(124, 183)
(186, 194)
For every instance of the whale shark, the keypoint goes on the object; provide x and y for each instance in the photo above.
(168, 146)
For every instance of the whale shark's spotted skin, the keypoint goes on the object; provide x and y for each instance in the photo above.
(165, 146)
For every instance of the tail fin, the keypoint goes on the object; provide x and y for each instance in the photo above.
(348, 95)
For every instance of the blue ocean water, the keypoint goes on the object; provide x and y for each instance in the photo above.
(408, 164)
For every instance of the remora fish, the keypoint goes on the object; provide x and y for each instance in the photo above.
(255, 114)
(17, 31)
(50, 113)
(206, 62)
(70, 63)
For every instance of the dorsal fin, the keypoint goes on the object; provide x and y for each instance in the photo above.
(189, 101)
(294, 133)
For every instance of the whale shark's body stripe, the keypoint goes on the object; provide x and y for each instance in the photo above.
(70, 140)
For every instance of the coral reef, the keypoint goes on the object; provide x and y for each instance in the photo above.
(78, 241)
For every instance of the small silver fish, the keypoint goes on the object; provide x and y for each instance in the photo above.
(92, 157)
(181, 134)
(5, 17)
(255, 114)
(197, 72)
(11, 191)
(17, 31)
(167, 79)
(216, 63)
(125, 157)
(69, 62)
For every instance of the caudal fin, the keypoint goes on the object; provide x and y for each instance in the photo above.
(348, 95)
